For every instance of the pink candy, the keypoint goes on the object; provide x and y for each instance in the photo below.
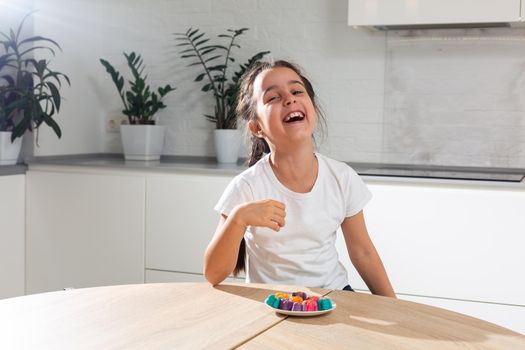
(310, 305)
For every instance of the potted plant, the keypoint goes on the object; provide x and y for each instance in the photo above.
(29, 90)
(214, 61)
(142, 139)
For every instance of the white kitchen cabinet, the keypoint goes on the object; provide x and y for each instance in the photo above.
(448, 240)
(84, 230)
(417, 12)
(508, 316)
(154, 276)
(180, 220)
(12, 213)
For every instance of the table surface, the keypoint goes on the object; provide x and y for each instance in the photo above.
(197, 315)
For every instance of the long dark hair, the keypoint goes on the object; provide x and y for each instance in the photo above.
(246, 108)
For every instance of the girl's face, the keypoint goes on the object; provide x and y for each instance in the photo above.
(285, 112)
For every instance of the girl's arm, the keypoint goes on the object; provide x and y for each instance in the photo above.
(364, 256)
(221, 254)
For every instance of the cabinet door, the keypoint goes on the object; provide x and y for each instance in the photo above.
(12, 214)
(84, 230)
(402, 12)
(449, 241)
(180, 220)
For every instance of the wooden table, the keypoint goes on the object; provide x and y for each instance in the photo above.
(197, 315)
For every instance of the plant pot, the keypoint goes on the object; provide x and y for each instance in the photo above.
(9, 152)
(142, 142)
(227, 143)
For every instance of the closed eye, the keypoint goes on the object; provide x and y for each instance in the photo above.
(272, 98)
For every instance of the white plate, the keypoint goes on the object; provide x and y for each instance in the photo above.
(302, 313)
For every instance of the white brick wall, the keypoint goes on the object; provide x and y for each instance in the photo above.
(412, 97)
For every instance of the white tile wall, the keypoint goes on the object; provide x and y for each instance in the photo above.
(442, 96)
(455, 97)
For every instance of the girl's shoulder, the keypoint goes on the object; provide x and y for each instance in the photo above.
(336, 167)
(254, 172)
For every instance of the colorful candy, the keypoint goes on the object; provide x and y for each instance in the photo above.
(300, 294)
(297, 307)
(282, 295)
(324, 304)
(298, 301)
(276, 302)
(270, 300)
(310, 305)
(286, 305)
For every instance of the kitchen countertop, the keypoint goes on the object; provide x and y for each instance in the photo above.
(13, 169)
(369, 171)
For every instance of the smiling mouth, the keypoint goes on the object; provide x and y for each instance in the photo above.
(294, 117)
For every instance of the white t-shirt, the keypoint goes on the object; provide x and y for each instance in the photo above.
(303, 252)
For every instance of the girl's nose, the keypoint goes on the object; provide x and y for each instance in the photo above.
(289, 100)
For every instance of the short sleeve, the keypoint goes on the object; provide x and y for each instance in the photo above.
(357, 194)
(237, 192)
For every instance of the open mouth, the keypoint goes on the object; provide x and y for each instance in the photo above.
(294, 117)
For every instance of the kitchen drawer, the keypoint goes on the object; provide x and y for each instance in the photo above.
(448, 241)
(180, 220)
(12, 235)
(83, 230)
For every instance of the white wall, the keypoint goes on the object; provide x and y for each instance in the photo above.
(453, 97)
(11, 15)
(12, 12)
(76, 26)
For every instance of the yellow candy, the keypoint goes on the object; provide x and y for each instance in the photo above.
(297, 299)
(282, 295)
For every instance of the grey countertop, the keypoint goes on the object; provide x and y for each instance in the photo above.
(13, 169)
(209, 165)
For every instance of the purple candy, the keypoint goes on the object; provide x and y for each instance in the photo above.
(285, 304)
(297, 307)
(288, 305)
(300, 294)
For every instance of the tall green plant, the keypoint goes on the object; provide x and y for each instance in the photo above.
(29, 88)
(214, 60)
(140, 103)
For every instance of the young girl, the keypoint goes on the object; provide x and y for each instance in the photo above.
(279, 217)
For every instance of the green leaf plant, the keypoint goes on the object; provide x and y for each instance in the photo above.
(214, 60)
(140, 102)
(29, 88)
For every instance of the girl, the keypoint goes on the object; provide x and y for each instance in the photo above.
(281, 214)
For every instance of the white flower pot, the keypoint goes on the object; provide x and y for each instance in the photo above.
(9, 152)
(227, 144)
(142, 142)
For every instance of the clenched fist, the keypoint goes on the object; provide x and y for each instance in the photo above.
(264, 213)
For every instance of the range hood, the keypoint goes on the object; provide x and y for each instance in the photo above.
(432, 14)
(448, 26)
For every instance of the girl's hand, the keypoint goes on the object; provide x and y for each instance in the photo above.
(265, 213)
